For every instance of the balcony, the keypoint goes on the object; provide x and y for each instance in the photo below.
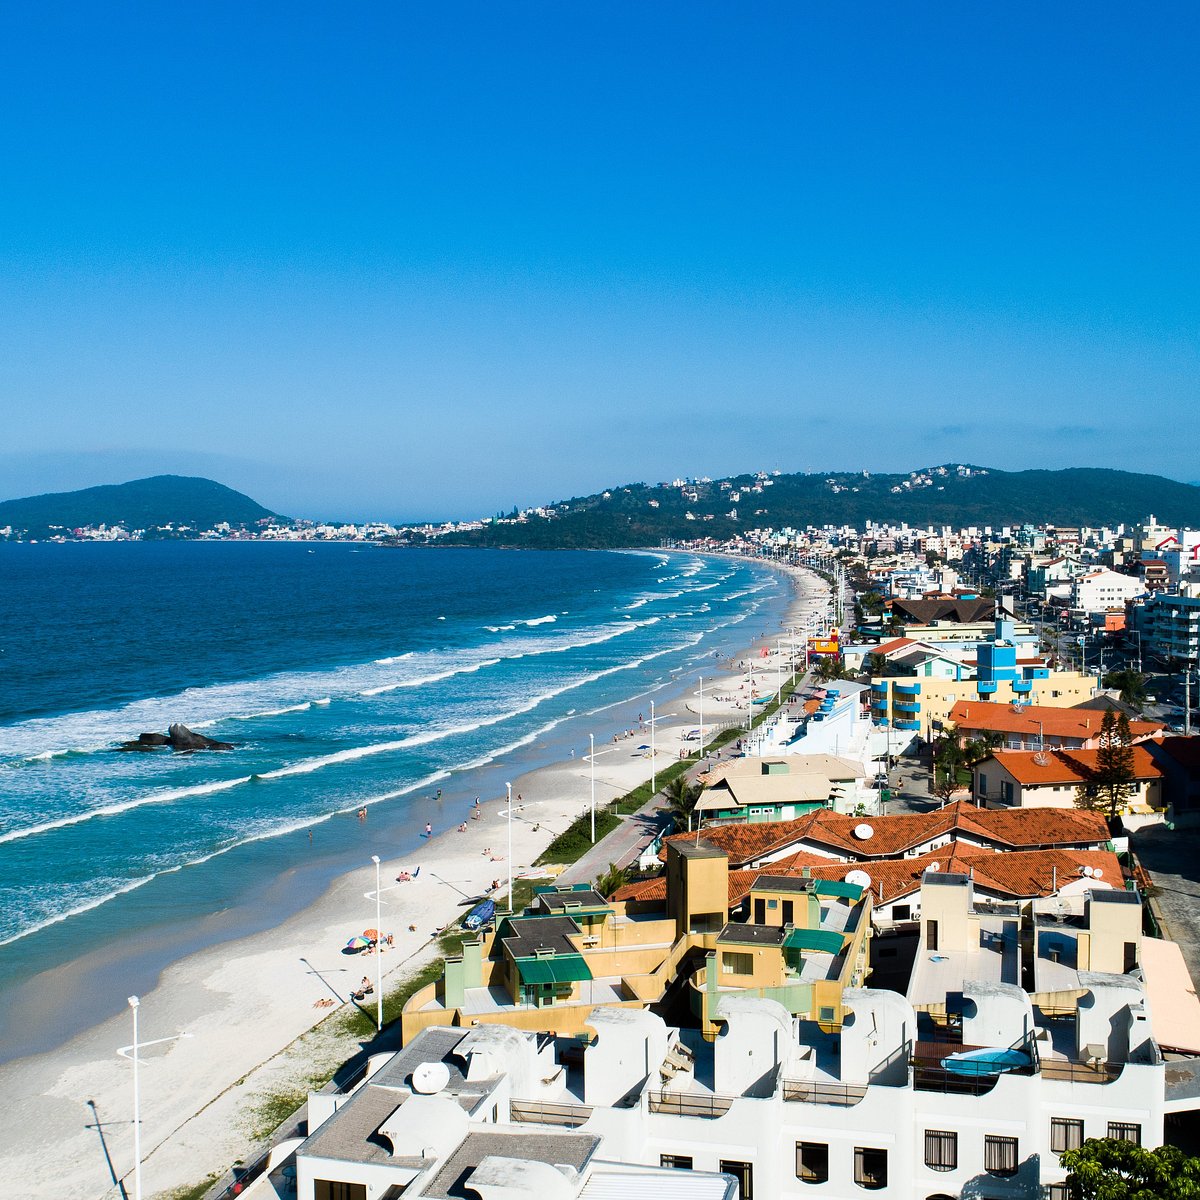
(705, 1105)
(809, 1091)
(908, 707)
(564, 1116)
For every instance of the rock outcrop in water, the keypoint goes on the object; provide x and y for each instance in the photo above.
(178, 737)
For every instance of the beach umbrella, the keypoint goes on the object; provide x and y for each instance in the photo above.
(643, 746)
(371, 934)
(357, 943)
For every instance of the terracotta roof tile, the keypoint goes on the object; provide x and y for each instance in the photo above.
(1067, 766)
(893, 835)
(971, 715)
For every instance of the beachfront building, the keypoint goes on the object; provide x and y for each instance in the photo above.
(999, 670)
(829, 719)
(1052, 779)
(1040, 727)
(799, 941)
(894, 884)
(823, 835)
(779, 789)
(977, 1095)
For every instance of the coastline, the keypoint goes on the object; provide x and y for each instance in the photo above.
(247, 1002)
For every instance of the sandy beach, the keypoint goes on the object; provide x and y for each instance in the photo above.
(255, 1011)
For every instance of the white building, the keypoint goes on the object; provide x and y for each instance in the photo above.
(1103, 591)
(903, 1100)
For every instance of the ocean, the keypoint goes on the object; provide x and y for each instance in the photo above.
(406, 681)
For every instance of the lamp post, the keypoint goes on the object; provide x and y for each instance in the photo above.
(508, 788)
(137, 1108)
(653, 764)
(592, 761)
(132, 1053)
(700, 754)
(378, 949)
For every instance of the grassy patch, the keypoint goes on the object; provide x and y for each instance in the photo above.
(273, 1109)
(195, 1192)
(576, 840)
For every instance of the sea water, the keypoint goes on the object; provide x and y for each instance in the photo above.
(405, 681)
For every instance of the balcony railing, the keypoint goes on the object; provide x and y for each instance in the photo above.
(536, 1112)
(807, 1091)
(691, 1104)
(1070, 1072)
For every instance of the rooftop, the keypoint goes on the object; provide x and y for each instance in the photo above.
(572, 1150)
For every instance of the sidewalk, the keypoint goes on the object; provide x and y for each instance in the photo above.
(624, 845)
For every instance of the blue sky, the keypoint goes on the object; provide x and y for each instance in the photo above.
(409, 261)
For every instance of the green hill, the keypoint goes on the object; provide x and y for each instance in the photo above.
(141, 504)
(952, 494)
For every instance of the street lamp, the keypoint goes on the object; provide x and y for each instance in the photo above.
(131, 1053)
(592, 761)
(378, 949)
(137, 1108)
(653, 765)
(508, 788)
(700, 754)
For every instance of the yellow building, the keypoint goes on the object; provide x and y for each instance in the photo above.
(571, 951)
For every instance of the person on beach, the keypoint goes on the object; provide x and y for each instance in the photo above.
(428, 829)
(463, 827)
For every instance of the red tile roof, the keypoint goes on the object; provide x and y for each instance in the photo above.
(970, 716)
(1034, 768)
(893, 835)
(1020, 874)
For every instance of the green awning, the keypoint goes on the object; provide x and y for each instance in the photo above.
(837, 887)
(558, 968)
(823, 940)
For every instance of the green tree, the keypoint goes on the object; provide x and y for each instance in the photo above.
(1112, 779)
(611, 878)
(1130, 685)
(948, 759)
(682, 796)
(832, 667)
(1110, 1169)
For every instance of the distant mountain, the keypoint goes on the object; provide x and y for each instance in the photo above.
(951, 494)
(141, 504)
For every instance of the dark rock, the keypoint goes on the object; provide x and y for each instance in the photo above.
(178, 737)
(182, 738)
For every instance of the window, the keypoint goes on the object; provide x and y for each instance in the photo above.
(332, 1189)
(1000, 1155)
(743, 1173)
(826, 1013)
(1058, 1191)
(1066, 1133)
(679, 1162)
(812, 1162)
(733, 963)
(931, 935)
(1124, 1131)
(941, 1150)
(901, 912)
(870, 1167)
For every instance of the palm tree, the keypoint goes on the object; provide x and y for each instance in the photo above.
(611, 878)
(682, 796)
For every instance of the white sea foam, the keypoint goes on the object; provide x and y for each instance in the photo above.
(539, 620)
(112, 810)
(259, 836)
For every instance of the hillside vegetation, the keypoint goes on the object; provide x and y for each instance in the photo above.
(952, 494)
(141, 504)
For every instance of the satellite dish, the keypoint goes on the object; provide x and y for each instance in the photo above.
(1088, 872)
(863, 831)
(1041, 760)
(858, 878)
(430, 1078)
(1097, 873)
(935, 866)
